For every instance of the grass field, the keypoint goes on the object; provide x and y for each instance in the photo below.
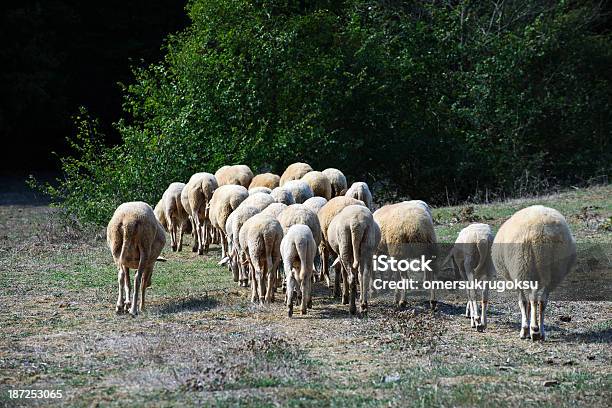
(202, 342)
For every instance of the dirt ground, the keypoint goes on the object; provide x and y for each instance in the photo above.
(201, 342)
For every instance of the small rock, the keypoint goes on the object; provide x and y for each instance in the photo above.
(391, 378)
(550, 383)
(550, 361)
(591, 357)
(569, 363)
(565, 318)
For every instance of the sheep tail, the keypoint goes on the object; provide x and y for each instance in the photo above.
(483, 251)
(125, 234)
(302, 250)
(356, 242)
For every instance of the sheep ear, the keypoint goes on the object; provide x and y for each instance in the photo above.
(224, 261)
(161, 259)
(335, 262)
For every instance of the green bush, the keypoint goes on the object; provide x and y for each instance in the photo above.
(436, 100)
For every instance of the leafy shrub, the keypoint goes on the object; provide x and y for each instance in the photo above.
(432, 99)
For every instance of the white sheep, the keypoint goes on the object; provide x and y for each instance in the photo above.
(298, 250)
(298, 214)
(325, 216)
(315, 203)
(534, 245)
(238, 174)
(422, 204)
(260, 238)
(187, 207)
(471, 257)
(259, 200)
(274, 209)
(294, 171)
(407, 232)
(354, 236)
(160, 214)
(232, 227)
(254, 190)
(337, 180)
(282, 195)
(224, 200)
(300, 190)
(176, 216)
(360, 191)
(319, 184)
(135, 239)
(200, 189)
(267, 180)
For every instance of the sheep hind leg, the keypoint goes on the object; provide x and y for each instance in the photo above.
(119, 306)
(353, 291)
(126, 290)
(345, 286)
(485, 304)
(534, 328)
(337, 281)
(541, 309)
(524, 306)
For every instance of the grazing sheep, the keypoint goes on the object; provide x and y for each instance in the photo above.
(282, 195)
(298, 214)
(298, 250)
(294, 171)
(315, 203)
(535, 245)
(471, 257)
(325, 216)
(224, 200)
(176, 216)
(260, 238)
(319, 183)
(255, 190)
(337, 180)
(354, 236)
(300, 190)
(268, 180)
(200, 189)
(160, 214)
(135, 239)
(239, 174)
(361, 191)
(407, 232)
(232, 226)
(274, 209)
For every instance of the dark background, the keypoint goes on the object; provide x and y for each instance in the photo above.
(57, 55)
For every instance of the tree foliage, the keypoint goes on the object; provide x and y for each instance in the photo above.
(429, 99)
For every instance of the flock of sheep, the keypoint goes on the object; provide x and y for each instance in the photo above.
(266, 224)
